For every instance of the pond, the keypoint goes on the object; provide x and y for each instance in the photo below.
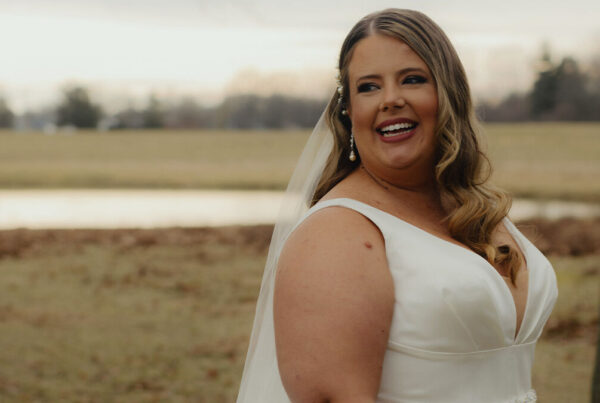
(119, 208)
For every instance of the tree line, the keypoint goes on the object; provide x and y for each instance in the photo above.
(561, 92)
(246, 111)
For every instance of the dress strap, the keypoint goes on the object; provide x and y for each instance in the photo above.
(379, 218)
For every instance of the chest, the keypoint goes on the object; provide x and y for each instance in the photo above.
(448, 298)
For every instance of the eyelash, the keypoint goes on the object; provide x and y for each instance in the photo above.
(418, 79)
(366, 87)
(408, 80)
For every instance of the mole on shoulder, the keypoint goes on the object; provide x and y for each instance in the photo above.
(368, 244)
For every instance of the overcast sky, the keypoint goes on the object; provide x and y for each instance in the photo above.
(207, 49)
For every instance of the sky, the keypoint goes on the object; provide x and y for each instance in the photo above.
(207, 49)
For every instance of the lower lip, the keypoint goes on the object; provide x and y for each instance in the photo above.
(398, 137)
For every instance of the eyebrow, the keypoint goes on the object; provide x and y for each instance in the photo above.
(399, 72)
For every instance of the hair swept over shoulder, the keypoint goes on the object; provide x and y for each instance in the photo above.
(474, 207)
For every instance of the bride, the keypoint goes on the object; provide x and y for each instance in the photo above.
(404, 281)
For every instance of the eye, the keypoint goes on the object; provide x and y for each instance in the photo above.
(414, 80)
(366, 87)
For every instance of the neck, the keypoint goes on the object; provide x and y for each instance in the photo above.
(426, 187)
(416, 197)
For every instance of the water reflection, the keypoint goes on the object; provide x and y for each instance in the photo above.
(168, 208)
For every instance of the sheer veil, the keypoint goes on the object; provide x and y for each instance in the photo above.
(261, 381)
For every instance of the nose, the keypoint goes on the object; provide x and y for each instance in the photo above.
(392, 99)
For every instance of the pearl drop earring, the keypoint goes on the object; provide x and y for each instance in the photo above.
(352, 156)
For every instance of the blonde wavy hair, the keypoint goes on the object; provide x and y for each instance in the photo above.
(474, 208)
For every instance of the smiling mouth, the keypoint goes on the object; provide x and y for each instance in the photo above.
(396, 129)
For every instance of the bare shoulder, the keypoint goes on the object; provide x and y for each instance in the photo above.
(333, 306)
(331, 230)
(333, 241)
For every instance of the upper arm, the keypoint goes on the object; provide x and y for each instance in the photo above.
(333, 306)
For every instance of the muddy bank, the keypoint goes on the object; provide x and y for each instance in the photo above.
(567, 236)
(18, 242)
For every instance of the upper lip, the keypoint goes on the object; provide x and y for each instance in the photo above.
(393, 122)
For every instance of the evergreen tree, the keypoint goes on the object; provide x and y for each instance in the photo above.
(572, 98)
(543, 96)
(6, 115)
(77, 109)
(153, 115)
(562, 92)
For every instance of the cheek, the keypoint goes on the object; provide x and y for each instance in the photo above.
(428, 106)
(361, 115)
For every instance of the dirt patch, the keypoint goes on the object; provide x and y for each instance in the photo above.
(16, 242)
(571, 328)
(568, 236)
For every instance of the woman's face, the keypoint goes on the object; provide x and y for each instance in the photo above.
(393, 107)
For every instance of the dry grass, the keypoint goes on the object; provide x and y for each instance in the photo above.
(565, 355)
(150, 159)
(134, 316)
(556, 160)
(165, 315)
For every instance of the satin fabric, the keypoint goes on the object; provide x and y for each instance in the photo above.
(452, 336)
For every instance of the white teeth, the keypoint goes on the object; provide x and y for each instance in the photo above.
(397, 126)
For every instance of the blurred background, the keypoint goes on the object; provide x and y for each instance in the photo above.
(145, 145)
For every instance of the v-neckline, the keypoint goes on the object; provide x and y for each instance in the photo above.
(496, 274)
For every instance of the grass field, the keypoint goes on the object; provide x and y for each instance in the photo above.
(553, 160)
(127, 316)
(558, 160)
(165, 315)
(150, 159)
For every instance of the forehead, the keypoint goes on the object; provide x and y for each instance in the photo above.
(376, 54)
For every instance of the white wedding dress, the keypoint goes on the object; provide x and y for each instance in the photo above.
(452, 336)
